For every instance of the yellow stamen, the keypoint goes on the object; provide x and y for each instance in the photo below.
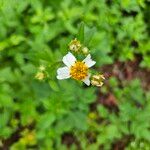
(79, 71)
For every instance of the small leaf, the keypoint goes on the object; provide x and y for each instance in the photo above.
(81, 32)
(102, 111)
(45, 121)
(53, 85)
(89, 35)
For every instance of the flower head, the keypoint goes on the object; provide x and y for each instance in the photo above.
(75, 45)
(78, 70)
(97, 80)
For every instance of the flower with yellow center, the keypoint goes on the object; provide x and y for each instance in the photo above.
(78, 70)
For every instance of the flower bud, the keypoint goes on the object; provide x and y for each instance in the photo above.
(42, 68)
(85, 50)
(97, 80)
(40, 76)
(75, 45)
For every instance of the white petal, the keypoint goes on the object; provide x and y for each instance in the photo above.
(87, 80)
(63, 73)
(61, 77)
(88, 61)
(69, 59)
(63, 70)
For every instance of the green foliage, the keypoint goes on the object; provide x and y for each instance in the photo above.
(132, 120)
(138, 144)
(37, 32)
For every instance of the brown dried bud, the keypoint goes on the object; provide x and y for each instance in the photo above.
(97, 80)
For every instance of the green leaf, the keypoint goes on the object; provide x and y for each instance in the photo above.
(89, 35)
(81, 32)
(46, 120)
(54, 85)
(102, 111)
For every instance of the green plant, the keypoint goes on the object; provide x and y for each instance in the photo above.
(38, 114)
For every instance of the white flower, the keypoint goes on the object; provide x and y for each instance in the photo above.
(78, 70)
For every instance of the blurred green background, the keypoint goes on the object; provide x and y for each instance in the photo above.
(65, 115)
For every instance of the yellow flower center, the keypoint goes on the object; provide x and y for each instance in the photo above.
(79, 70)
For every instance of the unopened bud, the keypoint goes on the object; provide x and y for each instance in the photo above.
(40, 76)
(85, 50)
(42, 68)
